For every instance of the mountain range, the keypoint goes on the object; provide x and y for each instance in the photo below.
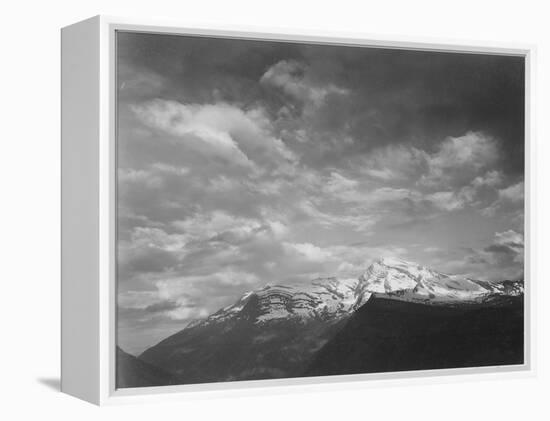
(397, 315)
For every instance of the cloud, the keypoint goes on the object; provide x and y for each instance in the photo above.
(148, 305)
(490, 179)
(446, 200)
(360, 222)
(156, 237)
(510, 200)
(459, 173)
(341, 188)
(354, 259)
(395, 162)
(153, 176)
(174, 288)
(138, 82)
(278, 228)
(185, 297)
(502, 259)
(513, 193)
(137, 299)
(457, 161)
(363, 195)
(149, 250)
(337, 183)
(203, 226)
(507, 244)
(292, 78)
(458, 158)
(240, 137)
(470, 194)
(164, 168)
(138, 176)
(308, 251)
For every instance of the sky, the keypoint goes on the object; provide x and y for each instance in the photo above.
(243, 163)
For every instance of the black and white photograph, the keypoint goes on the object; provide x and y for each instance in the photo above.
(289, 209)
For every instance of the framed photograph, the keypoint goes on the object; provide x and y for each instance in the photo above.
(246, 210)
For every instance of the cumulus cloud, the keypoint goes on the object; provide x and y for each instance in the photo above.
(459, 173)
(468, 195)
(458, 158)
(457, 161)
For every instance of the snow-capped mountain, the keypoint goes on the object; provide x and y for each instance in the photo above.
(271, 332)
(322, 298)
(332, 298)
(410, 281)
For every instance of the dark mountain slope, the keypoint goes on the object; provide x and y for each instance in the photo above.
(268, 333)
(133, 372)
(392, 335)
(240, 349)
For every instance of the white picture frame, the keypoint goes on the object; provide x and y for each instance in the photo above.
(88, 214)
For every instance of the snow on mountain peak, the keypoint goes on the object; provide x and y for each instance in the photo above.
(412, 281)
(332, 298)
(325, 298)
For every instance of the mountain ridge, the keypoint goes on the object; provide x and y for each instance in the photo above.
(331, 297)
(323, 298)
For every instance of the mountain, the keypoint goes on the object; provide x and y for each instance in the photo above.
(387, 335)
(133, 372)
(288, 330)
(322, 298)
(409, 281)
(268, 333)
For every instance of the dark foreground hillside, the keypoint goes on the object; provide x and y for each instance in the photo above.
(133, 372)
(240, 350)
(390, 335)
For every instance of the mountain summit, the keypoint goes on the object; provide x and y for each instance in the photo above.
(412, 282)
